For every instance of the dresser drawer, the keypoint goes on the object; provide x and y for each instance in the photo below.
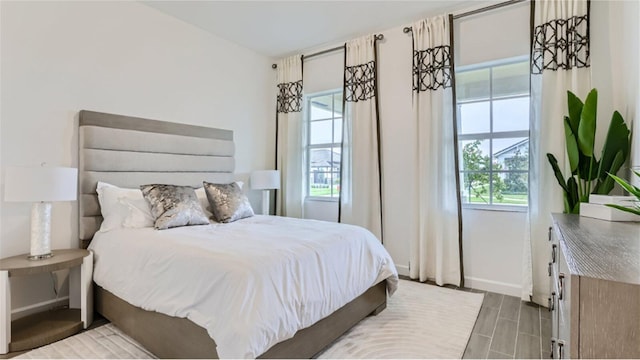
(549, 350)
(564, 295)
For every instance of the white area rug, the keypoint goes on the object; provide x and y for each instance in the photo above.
(104, 342)
(421, 321)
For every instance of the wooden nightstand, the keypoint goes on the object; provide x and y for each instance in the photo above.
(48, 326)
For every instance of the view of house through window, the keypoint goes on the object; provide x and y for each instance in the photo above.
(493, 133)
(324, 116)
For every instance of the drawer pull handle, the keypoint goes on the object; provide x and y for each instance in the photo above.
(549, 268)
(550, 228)
(560, 349)
(554, 250)
(552, 301)
(561, 287)
(553, 348)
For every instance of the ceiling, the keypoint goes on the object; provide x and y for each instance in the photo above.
(279, 28)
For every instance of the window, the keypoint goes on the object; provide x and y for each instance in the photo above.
(324, 144)
(493, 133)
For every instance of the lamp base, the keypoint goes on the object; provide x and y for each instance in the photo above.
(265, 202)
(40, 231)
(40, 257)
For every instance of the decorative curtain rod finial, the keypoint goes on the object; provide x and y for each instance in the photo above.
(407, 30)
(274, 66)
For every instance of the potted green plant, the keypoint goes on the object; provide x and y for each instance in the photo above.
(588, 174)
(633, 190)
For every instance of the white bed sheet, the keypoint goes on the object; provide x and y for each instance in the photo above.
(252, 283)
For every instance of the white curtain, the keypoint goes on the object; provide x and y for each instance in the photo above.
(290, 138)
(360, 187)
(436, 253)
(559, 62)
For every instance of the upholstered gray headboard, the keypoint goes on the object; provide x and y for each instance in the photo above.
(128, 152)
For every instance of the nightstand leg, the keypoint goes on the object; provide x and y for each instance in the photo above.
(86, 290)
(5, 312)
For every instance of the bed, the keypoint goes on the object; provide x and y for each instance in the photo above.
(127, 152)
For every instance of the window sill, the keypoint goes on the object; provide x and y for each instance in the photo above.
(504, 208)
(320, 199)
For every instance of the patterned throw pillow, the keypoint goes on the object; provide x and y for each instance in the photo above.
(227, 202)
(173, 206)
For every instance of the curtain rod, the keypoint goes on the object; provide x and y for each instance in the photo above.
(341, 47)
(407, 29)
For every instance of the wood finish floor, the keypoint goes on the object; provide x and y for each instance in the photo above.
(509, 328)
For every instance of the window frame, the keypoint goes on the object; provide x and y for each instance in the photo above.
(308, 146)
(491, 135)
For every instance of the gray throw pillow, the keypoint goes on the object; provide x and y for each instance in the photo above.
(227, 202)
(173, 206)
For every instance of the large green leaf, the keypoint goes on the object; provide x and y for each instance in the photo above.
(567, 207)
(617, 141)
(587, 126)
(584, 166)
(572, 145)
(576, 208)
(604, 186)
(572, 195)
(575, 109)
(633, 210)
(557, 172)
(630, 188)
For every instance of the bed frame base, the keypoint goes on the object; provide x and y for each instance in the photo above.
(171, 337)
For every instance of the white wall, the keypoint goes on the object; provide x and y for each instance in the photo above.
(119, 57)
(321, 210)
(615, 39)
(492, 248)
(616, 74)
(478, 40)
(398, 139)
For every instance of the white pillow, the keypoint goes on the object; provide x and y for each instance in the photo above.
(139, 215)
(113, 206)
(204, 202)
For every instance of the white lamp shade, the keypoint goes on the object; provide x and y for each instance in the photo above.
(34, 184)
(265, 179)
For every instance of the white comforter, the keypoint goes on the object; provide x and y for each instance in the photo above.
(252, 283)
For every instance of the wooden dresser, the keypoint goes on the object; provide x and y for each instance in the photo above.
(595, 288)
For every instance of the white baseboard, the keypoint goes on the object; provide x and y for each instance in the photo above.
(493, 286)
(41, 306)
(402, 270)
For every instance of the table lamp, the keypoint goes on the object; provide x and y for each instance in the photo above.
(40, 185)
(265, 180)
